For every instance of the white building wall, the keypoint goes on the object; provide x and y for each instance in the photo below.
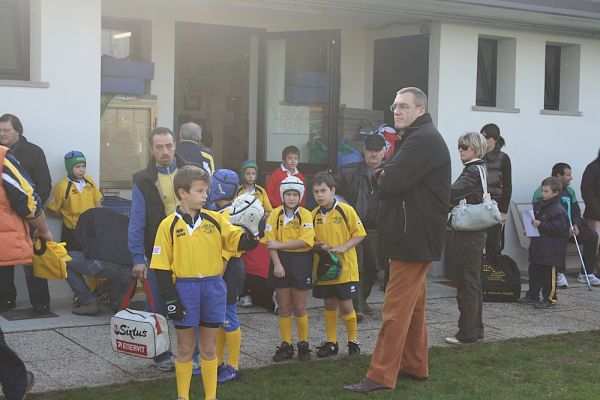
(65, 53)
(535, 142)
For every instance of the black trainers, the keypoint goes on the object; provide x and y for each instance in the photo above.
(353, 349)
(283, 352)
(327, 349)
(303, 351)
(544, 305)
(7, 305)
(527, 300)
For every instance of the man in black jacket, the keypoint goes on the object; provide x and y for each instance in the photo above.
(414, 188)
(590, 192)
(354, 184)
(152, 199)
(33, 160)
(101, 233)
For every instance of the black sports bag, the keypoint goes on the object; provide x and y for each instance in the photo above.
(500, 279)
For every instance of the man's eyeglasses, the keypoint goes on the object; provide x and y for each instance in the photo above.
(6, 130)
(402, 107)
(463, 147)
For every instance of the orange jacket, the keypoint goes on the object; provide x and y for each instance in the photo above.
(15, 245)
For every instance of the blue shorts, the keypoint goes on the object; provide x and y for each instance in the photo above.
(232, 322)
(203, 300)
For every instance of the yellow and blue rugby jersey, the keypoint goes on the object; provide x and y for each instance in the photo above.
(335, 228)
(225, 253)
(299, 228)
(260, 194)
(67, 200)
(194, 252)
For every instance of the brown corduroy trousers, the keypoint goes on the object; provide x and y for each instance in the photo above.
(402, 345)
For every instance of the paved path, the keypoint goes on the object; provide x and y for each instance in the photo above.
(71, 351)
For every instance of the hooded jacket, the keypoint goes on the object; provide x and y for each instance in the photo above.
(550, 248)
(415, 193)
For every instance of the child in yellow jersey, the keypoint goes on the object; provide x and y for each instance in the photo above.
(223, 190)
(248, 175)
(188, 247)
(338, 229)
(72, 196)
(289, 235)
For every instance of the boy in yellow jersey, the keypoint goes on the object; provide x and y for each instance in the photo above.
(72, 196)
(188, 247)
(223, 190)
(289, 235)
(248, 175)
(338, 230)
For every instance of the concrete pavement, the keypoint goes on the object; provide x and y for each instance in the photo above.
(69, 351)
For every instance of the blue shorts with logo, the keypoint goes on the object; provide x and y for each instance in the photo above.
(203, 300)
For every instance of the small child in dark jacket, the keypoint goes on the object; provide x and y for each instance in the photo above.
(547, 251)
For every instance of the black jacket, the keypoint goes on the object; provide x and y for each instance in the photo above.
(147, 180)
(550, 247)
(467, 185)
(590, 190)
(102, 234)
(414, 194)
(354, 184)
(499, 177)
(33, 159)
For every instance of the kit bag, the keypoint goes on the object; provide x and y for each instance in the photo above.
(139, 333)
(476, 217)
(500, 279)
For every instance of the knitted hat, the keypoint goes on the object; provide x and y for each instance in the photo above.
(248, 164)
(73, 158)
(224, 185)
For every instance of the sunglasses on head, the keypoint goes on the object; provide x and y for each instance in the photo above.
(463, 147)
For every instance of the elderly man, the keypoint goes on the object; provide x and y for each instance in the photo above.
(33, 160)
(152, 199)
(190, 135)
(354, 184)
(18, 202)
(414, 189)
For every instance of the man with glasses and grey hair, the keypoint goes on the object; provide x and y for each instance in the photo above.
(190, 135)
(414, 193)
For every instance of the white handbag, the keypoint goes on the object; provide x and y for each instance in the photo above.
(476, 217)
(139, 333)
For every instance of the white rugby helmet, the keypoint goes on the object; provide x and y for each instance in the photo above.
(291, 183)
(247, 210)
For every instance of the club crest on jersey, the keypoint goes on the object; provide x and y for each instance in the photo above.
(337, 220)
(180, 232)
(208, 229)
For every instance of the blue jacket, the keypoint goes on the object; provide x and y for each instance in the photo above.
(551, 246)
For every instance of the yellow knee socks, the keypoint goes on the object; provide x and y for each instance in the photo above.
(351, 328)
(331, 319)
(234, 342)
(183, 376)
(285, 328)
(220, 346)
(302, 328)
(209, 377)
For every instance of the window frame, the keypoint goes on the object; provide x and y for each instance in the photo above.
(19, 10)
(490, 98)
(552, 82)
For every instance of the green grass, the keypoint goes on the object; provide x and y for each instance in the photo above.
(548, 367)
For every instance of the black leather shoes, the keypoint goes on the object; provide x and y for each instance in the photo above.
(38, 311)
(365, 386)
(7, 305)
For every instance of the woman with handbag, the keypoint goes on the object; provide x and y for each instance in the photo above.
(468, 217)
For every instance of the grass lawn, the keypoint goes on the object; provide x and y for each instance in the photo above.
(549, 367)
